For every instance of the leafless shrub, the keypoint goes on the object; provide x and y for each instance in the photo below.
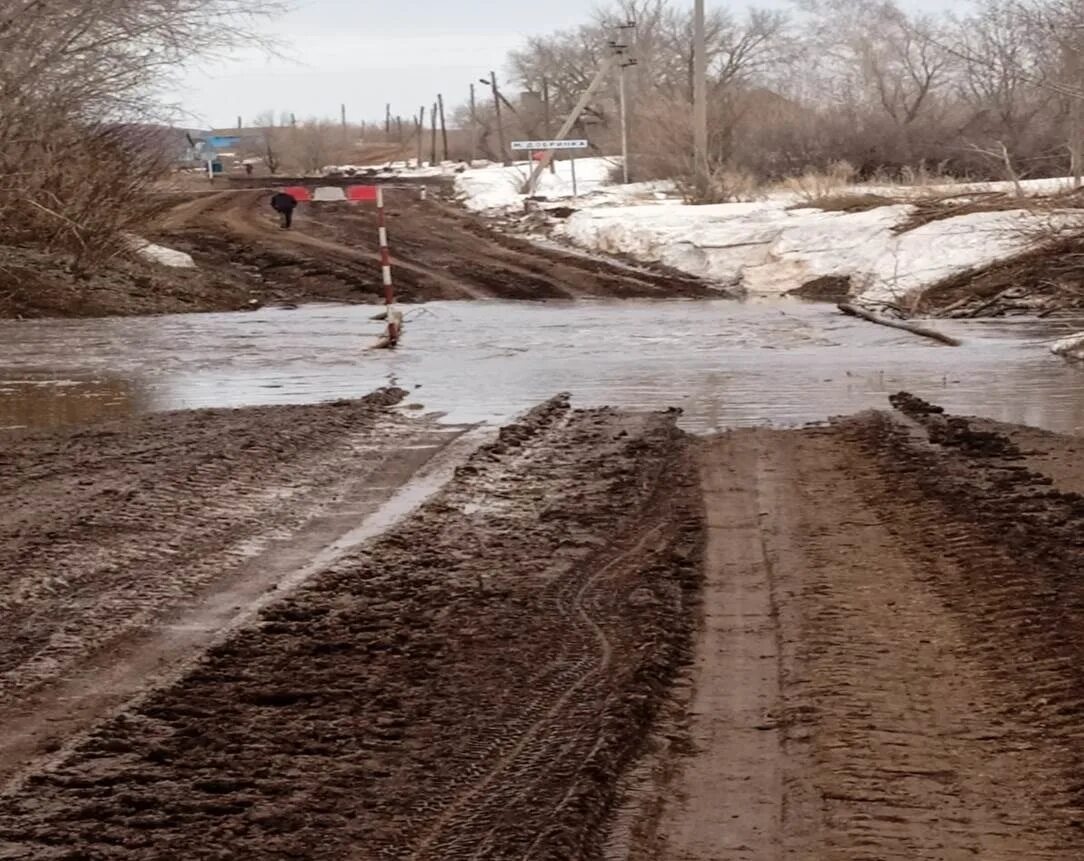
(78, 146)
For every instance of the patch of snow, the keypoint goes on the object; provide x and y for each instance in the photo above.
(768, 248)
(160, 254)
(1071, 347)
(498, 189)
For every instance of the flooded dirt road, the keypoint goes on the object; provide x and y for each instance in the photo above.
(725, 364)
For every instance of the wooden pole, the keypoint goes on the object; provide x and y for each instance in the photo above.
(548, 116)
(421, 134)
(700, 93)
(443, 126)
(387, 120)
(500, 119)
(473, 125)
(433, 136)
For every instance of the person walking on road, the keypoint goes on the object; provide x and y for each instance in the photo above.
(284, 204)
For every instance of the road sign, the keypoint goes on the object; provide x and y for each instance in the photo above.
(538, 145)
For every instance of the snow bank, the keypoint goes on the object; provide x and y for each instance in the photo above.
(160, 254)
(773, 245)
(498, 189)
(1071, 347)
(767, 248)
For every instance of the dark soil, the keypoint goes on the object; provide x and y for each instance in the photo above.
(830, 288)
(468, 686)
(1045, 281)
(245, 261)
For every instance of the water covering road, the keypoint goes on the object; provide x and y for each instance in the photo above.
(726, 364)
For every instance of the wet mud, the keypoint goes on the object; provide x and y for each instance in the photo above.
(605, 639)
(888, 663)
(468, 685)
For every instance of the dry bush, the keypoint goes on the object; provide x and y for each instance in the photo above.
(817, 185)
(849, 202)
(718, 185)
(81, 188)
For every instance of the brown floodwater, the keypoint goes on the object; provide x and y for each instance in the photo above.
(726, 364)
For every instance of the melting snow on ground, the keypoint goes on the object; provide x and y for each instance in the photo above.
(769, 246)
(160, 254)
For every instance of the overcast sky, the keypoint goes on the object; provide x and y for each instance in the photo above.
(365, 53)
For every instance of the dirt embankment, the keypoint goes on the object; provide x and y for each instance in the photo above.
(468, 685)
(1043, 282)
(245, 260)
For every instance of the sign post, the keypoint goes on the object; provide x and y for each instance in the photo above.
(548, 148)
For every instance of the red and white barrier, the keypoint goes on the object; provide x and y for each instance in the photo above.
(364, 194)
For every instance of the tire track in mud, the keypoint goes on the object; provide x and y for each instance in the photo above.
(106, 536)
(1014, 542)
(440, 253)
(363, 705)
(508, 780)
(928, 609)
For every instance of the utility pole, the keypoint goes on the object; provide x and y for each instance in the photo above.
(473, 125)
(443, 126)
(433, 148)
(239, 126)
(1076, 115)
(500, 118)
(604, 70)
(387, 121)
(621, 49)
(700, 94)
(399, 128)
(547, 116)
(421, 134)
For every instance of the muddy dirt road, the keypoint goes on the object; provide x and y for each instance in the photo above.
(602, 639)
(245, 260)
(467, 686)
(889, 663)
(440, 252)
(126, 547)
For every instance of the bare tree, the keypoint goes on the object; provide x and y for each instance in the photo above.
(74, 81)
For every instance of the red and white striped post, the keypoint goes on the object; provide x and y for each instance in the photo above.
(366, 194)
(394, 320)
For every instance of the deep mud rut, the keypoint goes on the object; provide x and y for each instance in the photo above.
(602, 639)
(440, 252)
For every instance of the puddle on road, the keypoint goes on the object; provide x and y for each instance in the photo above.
(48, 403)
(726, 364)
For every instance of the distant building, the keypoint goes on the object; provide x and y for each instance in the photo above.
(233, 143)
